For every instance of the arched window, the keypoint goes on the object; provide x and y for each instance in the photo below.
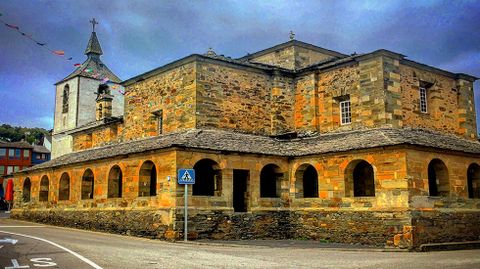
(87, 184)
(473, 181)
(207, 178)
(115, 182)
(359, 179)
(66, 93)
(27, 188)
(44, 189)
(64, 187)
(306, 182)
(148, 180)
(438, 184)
(271, 178)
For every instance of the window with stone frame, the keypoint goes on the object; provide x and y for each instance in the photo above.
(158, 118)
(345, 110)
(423, 99)
(65, 97)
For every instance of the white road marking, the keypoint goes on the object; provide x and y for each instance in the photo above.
(20, 226)
(16, 265)
(8, 241)
(89, 262)
(43, 262)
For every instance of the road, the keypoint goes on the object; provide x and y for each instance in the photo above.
(42, 246)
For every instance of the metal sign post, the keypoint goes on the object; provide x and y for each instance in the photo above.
(186, 177)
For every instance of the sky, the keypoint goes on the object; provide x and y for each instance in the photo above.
(137, 36)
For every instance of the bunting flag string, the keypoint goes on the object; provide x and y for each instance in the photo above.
(60, 53)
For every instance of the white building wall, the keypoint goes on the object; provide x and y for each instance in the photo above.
(65, 121)
(87, 103)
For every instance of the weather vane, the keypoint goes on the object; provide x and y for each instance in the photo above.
(292, 35)
(93, 22)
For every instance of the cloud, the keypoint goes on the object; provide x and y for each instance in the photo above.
(137, 36)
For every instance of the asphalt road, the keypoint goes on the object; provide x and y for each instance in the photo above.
(41, 246)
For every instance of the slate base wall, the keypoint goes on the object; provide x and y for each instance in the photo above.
(371, 228)
(445, 226)
(142, 223)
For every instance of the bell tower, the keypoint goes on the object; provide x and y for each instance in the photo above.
(76, 101)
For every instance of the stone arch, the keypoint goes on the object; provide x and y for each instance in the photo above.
(27, 189)
(271, 178)
(115, 179)
(44, 189)
(306, 181)
(208, 178)
(359, 179)
(88, 183)
(147, 182)
(438, 183)
(473, 181)
(66, 93)
(64, 187)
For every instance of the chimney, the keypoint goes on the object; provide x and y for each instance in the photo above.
(104, 102)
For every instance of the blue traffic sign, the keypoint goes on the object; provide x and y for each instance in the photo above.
(186, 176)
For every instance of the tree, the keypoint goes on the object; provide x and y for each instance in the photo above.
(16, 133)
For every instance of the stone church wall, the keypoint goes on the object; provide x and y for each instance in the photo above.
(171, 92)
(245, 100)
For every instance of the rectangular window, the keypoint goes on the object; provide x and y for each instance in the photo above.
(3, 153)
(9, 169)
(26, 153)
(16, 168)
(11, 153)
(345, 113)
(2, 169)
(17, 153)
(423, 100)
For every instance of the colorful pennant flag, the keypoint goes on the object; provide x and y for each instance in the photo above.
(41, 44)
(88, 70)
(77, 65)
(12, 26)
(59, 52)
(69, 58)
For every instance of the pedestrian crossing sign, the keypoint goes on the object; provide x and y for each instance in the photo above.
(186, 176)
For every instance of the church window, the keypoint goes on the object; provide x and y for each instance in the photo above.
(158, 117)
(87, 184)
(207, 178)
(64, 187)
(66, 92)
(148, 180)
(270, 181)
(423, 100)
(44, 188)
(115, 182)
(438, 184)
(27, 187)
(345, 112)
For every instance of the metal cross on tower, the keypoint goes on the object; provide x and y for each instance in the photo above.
(93, 22)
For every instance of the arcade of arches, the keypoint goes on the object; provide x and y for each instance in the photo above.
(371, 184)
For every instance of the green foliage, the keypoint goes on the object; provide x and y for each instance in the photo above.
(16, 133)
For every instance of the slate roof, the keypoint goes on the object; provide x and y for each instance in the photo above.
(95, 124)
(40, 149)
(93, 45)
(229, 141)
(98, 70)
(18, 145)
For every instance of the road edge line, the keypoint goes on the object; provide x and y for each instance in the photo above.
(89, 262)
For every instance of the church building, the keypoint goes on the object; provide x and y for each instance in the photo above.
(291, 142)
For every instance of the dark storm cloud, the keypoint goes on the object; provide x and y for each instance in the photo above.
(137, 36)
